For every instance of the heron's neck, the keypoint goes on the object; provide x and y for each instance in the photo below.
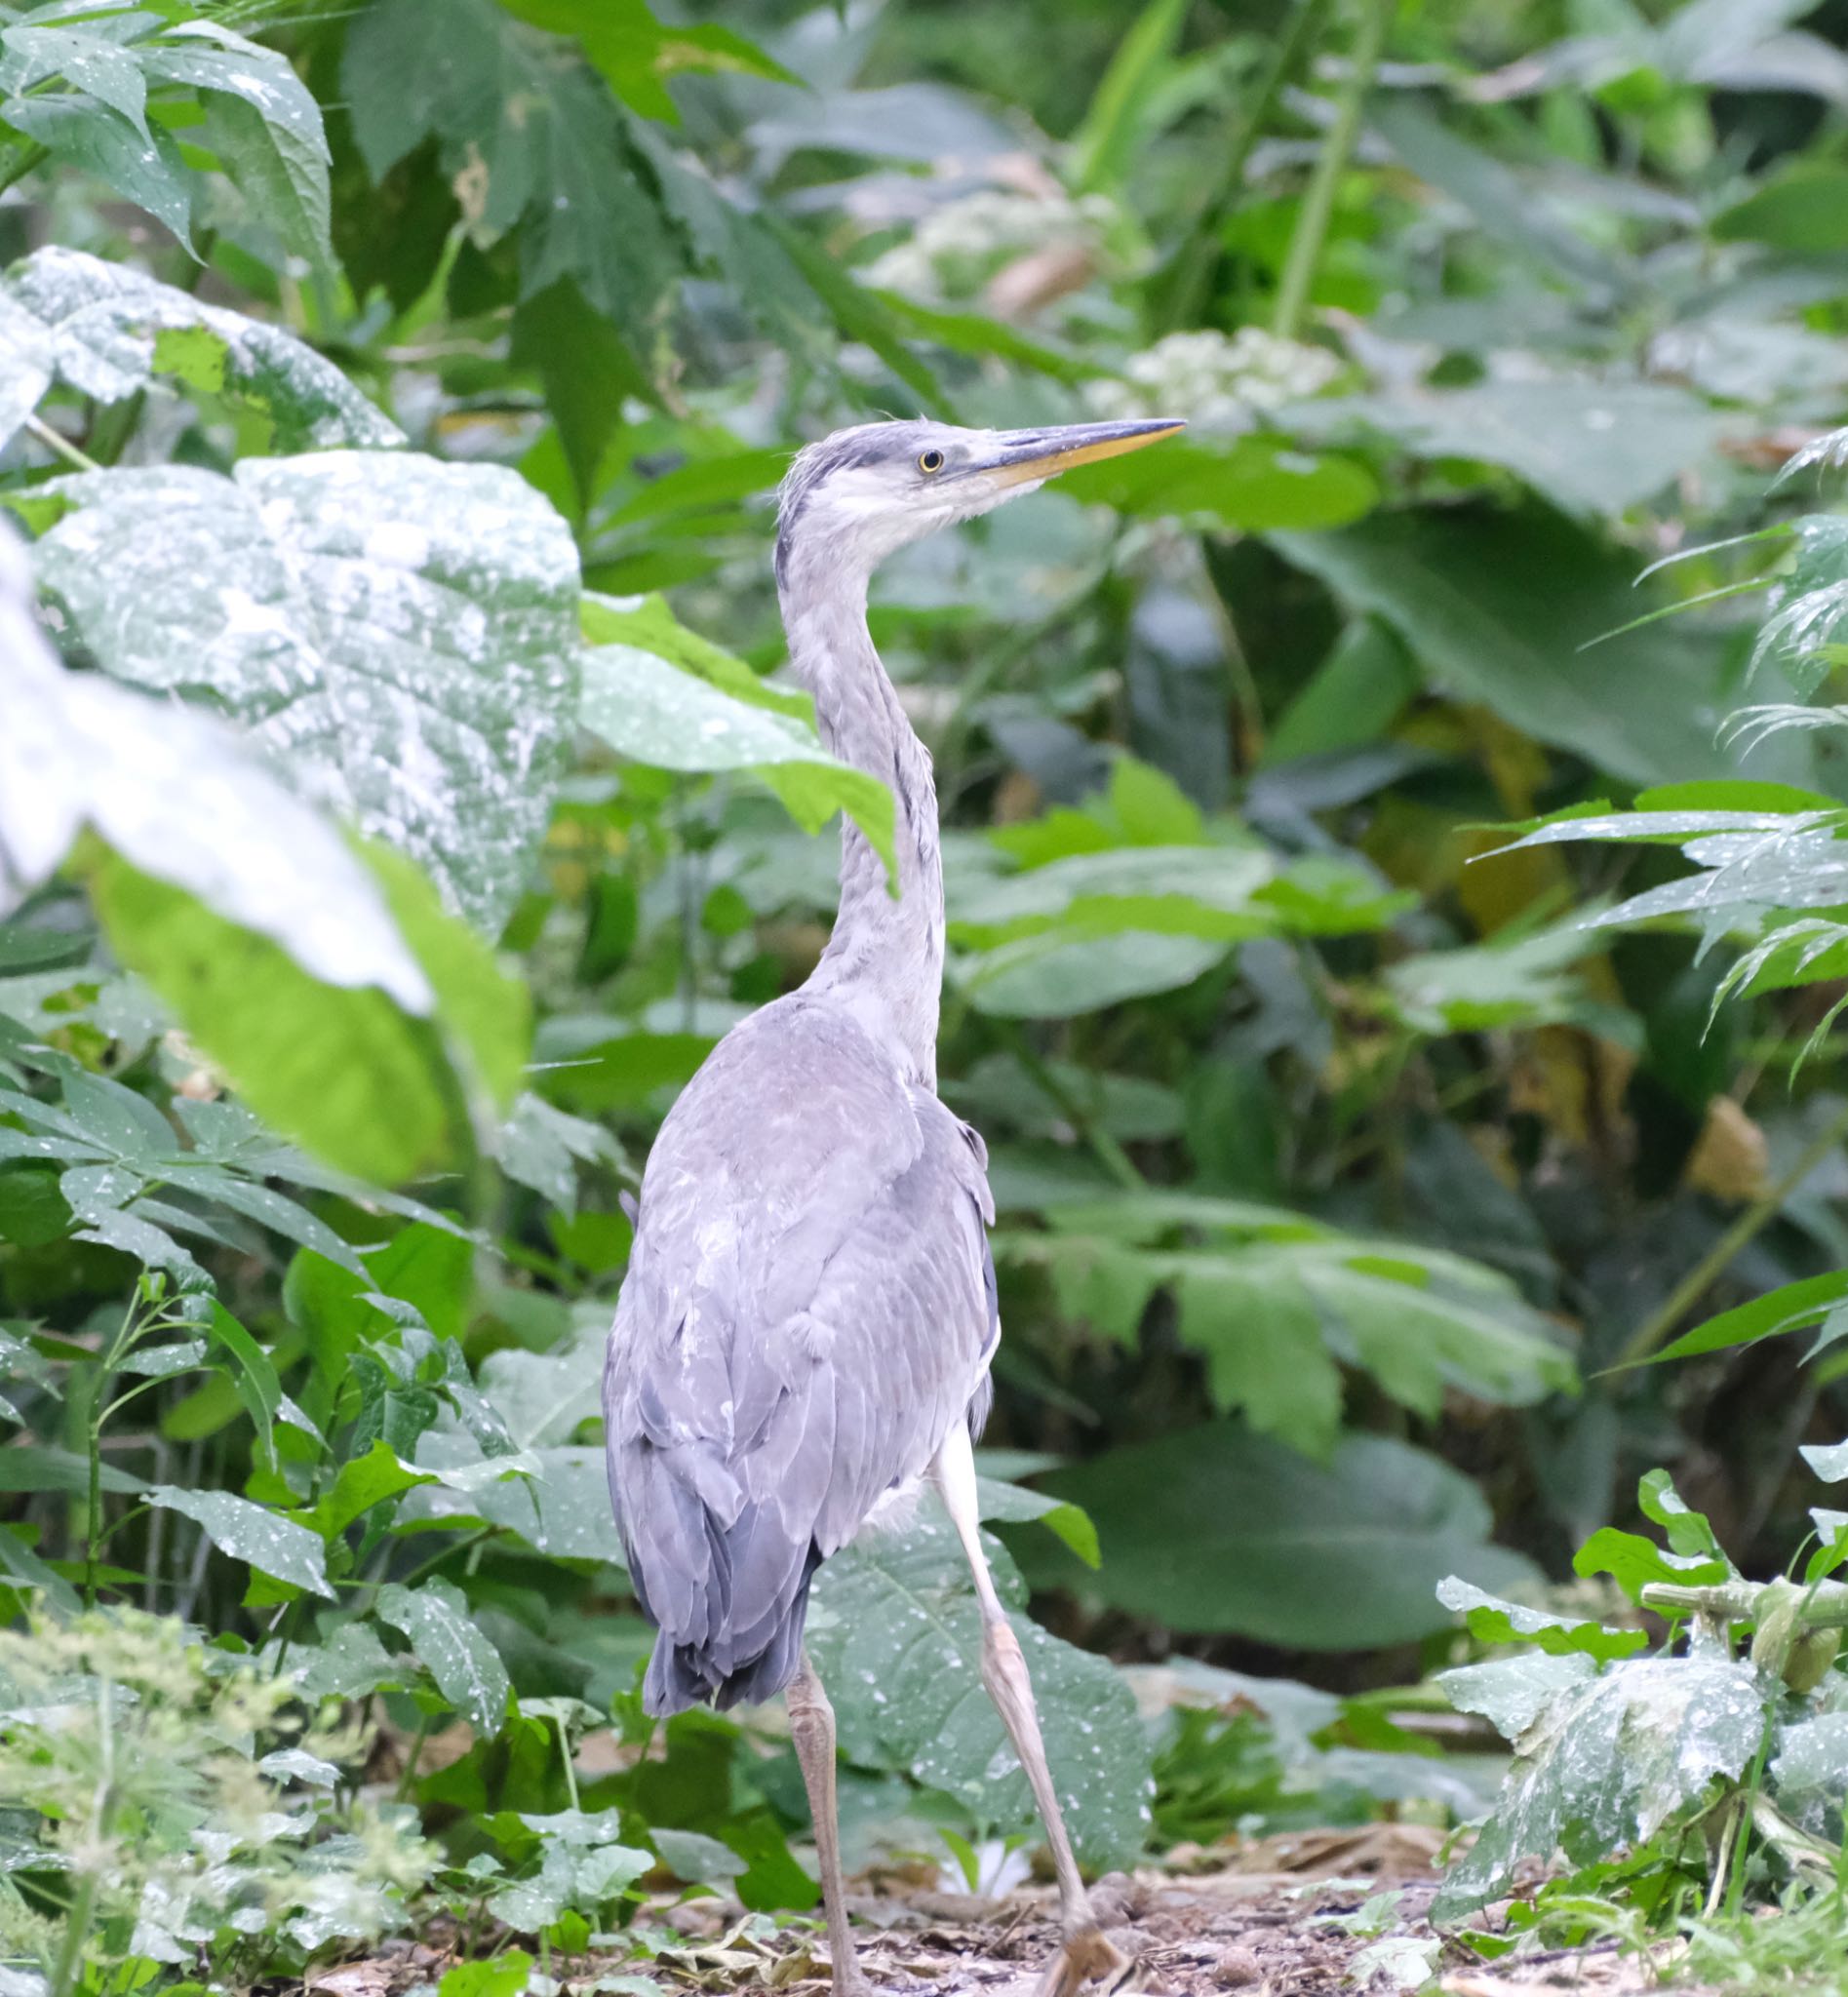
(885, 956)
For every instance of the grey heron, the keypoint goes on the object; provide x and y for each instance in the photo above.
(805, 1329)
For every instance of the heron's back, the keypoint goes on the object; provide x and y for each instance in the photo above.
(809, 1307)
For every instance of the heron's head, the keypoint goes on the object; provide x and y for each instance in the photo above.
(858, 496)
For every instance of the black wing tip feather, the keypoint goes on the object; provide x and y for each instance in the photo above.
(680, 1675)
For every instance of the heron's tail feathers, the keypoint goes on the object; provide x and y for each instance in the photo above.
(686, 1675)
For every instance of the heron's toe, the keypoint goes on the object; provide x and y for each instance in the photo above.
(1087, 1961)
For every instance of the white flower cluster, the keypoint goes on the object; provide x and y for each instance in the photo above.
(957, 248)
(1216, 382)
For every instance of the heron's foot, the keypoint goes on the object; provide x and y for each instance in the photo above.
(1086, 1961)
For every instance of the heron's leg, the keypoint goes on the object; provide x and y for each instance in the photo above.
(812, 1727)
(1088, 1956)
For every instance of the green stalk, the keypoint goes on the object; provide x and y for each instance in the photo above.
(1195, 263)
(1336, 149)
(1687, 1292)
(22, 163)
(96, 1413)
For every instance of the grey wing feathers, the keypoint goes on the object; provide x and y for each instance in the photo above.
(810, 1306)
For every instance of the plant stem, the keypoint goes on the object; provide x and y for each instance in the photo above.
(1195, 263)
(1108, 1151)
(1336, 149)
(1823, 1607)
(22, 163)
(61, 445)
(95, 1415)
(1763, 1209)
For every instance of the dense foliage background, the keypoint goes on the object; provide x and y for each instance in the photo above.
(392, 414)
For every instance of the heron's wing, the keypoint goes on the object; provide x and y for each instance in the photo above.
(809, 1307)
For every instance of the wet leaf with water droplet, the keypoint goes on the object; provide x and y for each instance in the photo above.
(399, 631)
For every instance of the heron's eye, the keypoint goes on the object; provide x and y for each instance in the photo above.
(930, 462)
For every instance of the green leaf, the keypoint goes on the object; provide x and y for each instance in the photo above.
(896, 1635)
(1802, 210)
(252, 1370)
(344, 1071)
(252, 1533)
(1495, 605)
(280, 172)
(465, 1665)
(84, 133)
(1255, 484)
(1510, 980)
(91, 62)
(651, 712)
(398, 629)
(1593, 449)
(646, 624)
(262, 121)
(1049, 976)
(588, 372)
(1217, 1529)
(635, 52)
(497, 1975)
(108, 330)
(1494, 1621)
(563, 171)
(1634, 1562)
(1015, 1505)
(362, 1482)
(1687, 1531)
(1262, 1336)
(1790, 1307)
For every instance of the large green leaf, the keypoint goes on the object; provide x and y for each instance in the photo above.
(107, 331)
(401, 632)
(1496, 607)
(896, 1635)
(1592, 448)
(1218, 1529)
(1256, 485)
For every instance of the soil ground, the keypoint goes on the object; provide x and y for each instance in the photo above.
(1266, 1920)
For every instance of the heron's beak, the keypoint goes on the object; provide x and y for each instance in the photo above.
(1029, 456)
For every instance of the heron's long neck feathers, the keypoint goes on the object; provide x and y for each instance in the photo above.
(886, 957)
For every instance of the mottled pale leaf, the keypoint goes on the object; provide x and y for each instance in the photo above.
(1495, 1620)
(177, 794)
(254, 1534)
(896, 1635)
(399, 631)
(1606, 1763)
(107, 330)
(1511, 1691)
